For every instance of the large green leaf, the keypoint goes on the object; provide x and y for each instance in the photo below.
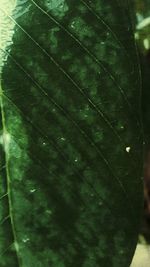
(71, 138)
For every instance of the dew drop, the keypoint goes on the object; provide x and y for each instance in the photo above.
(32, 190)
(73, 25)
(122, 127)
(128, 148)
(26, 239)
(62, 138)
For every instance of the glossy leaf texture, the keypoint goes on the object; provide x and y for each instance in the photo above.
(71, 135)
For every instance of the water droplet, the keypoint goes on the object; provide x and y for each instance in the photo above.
(25, 239)
(122, 127)
(32, 190)
(128, 148)
(62, 138)
(73, 25)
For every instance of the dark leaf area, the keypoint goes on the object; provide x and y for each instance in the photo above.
(145, 67)
(71, 179)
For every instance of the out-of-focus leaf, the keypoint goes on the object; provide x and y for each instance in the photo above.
(71, 135)
(142, 256)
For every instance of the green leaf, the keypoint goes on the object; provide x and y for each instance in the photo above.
(71, 136)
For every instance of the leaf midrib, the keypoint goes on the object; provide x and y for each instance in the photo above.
(8, 178)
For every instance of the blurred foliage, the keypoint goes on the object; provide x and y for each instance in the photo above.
(142, 36)
(142, 9)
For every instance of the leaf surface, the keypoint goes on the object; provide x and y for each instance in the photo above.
(71, 138)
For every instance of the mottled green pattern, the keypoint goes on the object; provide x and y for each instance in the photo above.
(71, 165)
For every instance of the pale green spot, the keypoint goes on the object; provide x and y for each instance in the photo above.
(6, 28)
(53, 39)
(57, 7)
(77, 24)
